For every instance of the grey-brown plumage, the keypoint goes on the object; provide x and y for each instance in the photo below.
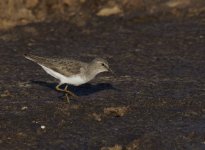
(70, 71)
(66, 67)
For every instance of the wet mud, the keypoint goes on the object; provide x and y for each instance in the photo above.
(156, 101)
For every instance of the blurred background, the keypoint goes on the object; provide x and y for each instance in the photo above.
(155, 102)
(79, 12)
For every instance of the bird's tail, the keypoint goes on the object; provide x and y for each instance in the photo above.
(28, 57)
(33, 58)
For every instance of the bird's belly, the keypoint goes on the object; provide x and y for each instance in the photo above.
(73, 80)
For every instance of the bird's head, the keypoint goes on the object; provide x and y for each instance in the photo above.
(100, 65)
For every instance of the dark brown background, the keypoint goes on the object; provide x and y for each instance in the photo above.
(15, 12)
(156, 48)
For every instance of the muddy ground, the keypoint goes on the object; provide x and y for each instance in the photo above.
(155, 102)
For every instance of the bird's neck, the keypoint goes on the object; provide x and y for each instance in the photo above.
(90, 72)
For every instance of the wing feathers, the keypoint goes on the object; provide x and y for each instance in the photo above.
(66, 67)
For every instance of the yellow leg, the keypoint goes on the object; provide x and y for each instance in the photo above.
(67, 98)
(66, 94)
(69, 92)
(59, 89)
(65, 90)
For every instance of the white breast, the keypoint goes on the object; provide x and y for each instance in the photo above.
(73, 80)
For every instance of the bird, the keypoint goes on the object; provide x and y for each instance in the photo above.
(70, 71)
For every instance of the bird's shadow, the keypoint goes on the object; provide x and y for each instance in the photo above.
(82, 90)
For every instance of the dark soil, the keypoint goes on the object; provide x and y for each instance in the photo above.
(157, 100)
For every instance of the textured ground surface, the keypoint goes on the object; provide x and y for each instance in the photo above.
(80, 12)
(157, 100)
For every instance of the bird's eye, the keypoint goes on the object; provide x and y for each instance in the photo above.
(103, 64)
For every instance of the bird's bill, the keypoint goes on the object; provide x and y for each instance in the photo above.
(110, 70)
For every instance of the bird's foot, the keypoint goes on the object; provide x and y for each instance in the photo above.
(67, 97)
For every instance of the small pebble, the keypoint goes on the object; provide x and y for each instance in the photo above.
(24, 108)
(43, 127)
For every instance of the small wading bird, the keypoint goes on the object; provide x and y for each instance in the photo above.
(70, 71)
